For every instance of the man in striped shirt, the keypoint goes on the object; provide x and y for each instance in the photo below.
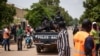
(63, 41)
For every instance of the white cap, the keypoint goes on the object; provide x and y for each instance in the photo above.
(28, 25)
(94, 23)
(6, 30)
(28, 35)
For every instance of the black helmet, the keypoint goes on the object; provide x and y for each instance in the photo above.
(86, 24)
(62, 24)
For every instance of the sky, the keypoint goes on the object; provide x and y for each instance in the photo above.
(74, 7)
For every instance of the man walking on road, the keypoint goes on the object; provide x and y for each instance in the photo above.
(6, 39)
(63, 41)
(19, 33)
(83, 42)
(95, 33)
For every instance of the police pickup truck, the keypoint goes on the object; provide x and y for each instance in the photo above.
(45, 41)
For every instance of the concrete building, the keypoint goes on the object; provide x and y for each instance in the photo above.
(20, 13)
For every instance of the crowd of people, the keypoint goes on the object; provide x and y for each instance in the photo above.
(86, 40)
(16, 32)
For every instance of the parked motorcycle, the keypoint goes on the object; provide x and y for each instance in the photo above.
(28, 41)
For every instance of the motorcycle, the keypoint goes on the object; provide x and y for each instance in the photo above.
(28, 41)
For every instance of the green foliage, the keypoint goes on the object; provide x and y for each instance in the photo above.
(66, 16)
(92, 11)
(6, 13)
(45, 8)
(37, 13)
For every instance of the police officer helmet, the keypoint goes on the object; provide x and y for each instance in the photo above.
(62, 24)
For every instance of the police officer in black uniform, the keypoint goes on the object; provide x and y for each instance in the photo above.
(58, 17)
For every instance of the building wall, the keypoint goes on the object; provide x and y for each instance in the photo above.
(20, 13)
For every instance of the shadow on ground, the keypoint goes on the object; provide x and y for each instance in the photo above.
(48, 53)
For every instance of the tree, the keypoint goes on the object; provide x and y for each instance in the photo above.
(6, 13)
(46, 8)
(37, 13)
(92, 10)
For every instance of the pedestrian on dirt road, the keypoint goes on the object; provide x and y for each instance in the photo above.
(19, 33)
(6, 39)
(83, 41)
(76, 29)
(95, 33)
(63, 41)
(13, 32)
